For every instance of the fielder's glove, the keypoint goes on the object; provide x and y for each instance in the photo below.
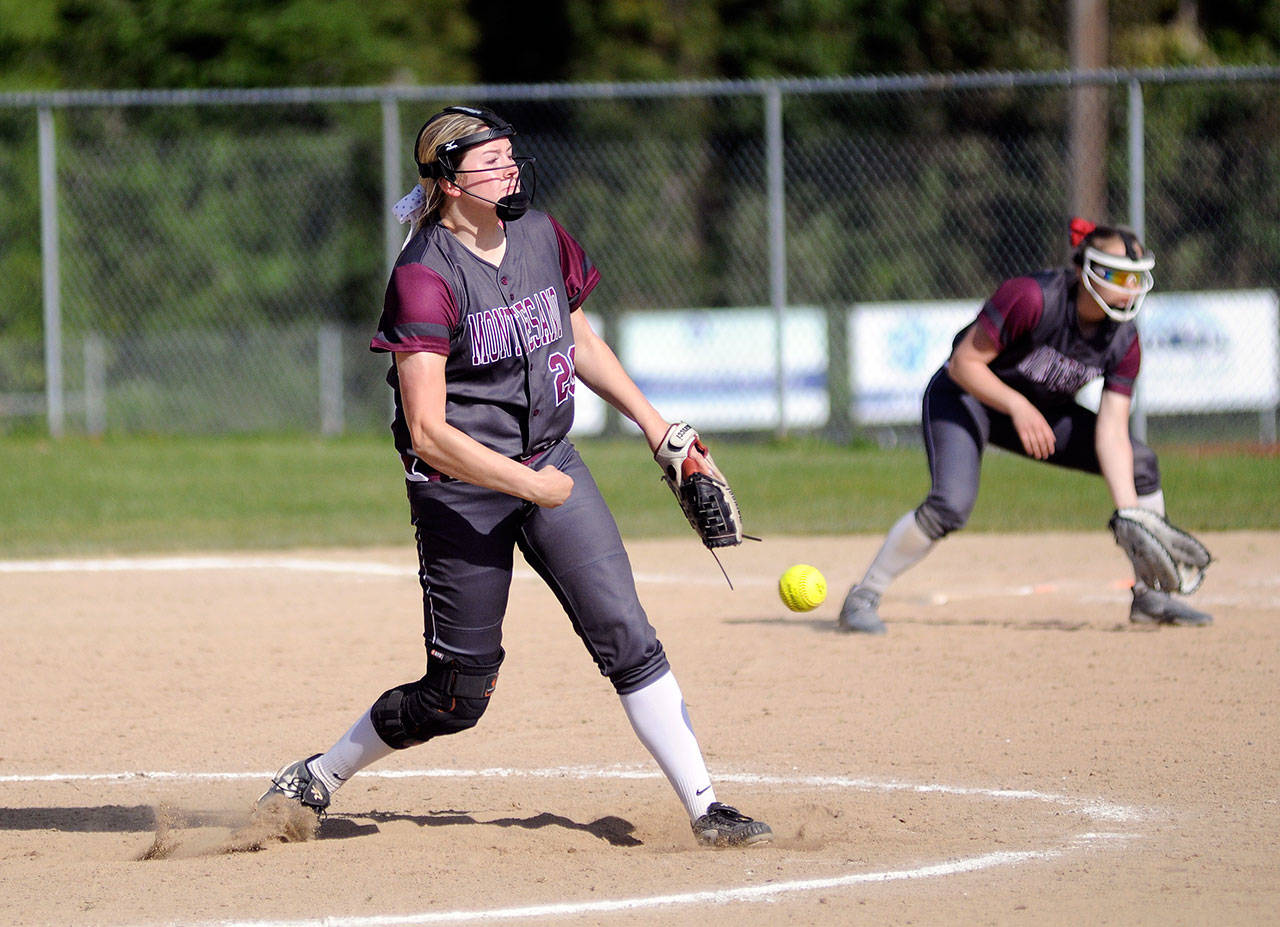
(701, 489)
(1164, 557)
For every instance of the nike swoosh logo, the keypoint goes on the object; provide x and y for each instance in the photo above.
(701, 790)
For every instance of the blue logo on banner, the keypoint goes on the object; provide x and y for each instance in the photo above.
(908, 345)
(1183, 330)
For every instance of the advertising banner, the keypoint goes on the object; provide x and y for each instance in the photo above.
(894, 348)
(1201, 352)
(1210, 351)
(717, 368)
(588, 408)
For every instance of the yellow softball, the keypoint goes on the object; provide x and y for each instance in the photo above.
(802, 588)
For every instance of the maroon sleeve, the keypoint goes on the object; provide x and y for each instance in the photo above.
(1122, 378)
(418, 313)
(580, 275)
(1013, 310)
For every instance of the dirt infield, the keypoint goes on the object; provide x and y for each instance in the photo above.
(1011, 752)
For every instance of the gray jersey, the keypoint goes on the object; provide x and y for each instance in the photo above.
(508, 339)
(505, 330)
(1043, 353)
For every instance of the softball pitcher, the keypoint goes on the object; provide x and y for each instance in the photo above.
(482, 321)
(1011, 380)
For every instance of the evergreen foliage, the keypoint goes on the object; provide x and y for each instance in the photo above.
(947, 192)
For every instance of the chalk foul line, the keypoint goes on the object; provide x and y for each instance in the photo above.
(1095, 810)
(183, 564)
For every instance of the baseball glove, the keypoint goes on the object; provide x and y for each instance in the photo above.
(700, 488)
(1164, 557)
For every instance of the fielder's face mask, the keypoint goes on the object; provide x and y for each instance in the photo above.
(447, 157)
(1128, 274)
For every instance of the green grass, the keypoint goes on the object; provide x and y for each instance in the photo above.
(162, 493)
(132, 494)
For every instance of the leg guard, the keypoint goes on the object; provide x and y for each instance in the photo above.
(451, 697)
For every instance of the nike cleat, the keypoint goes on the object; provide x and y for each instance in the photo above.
(723, 826)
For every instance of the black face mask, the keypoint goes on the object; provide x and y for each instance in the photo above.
(514, 205)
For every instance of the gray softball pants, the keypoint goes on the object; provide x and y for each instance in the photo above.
(957, 428)
(466, 538)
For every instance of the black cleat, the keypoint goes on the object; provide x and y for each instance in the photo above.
(1153, 607)
(723, 826)
(297, 783)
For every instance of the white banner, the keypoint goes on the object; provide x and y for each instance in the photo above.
(588, 408)
(717, 368)
(1210, 351)
(895, 348)
(1201, 352)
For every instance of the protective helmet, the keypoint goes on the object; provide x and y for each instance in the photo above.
(1130, 275)
(444, 164)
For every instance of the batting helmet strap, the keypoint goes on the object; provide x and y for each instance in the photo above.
(443, 164)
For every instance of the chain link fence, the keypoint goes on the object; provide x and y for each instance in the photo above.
(776, 255)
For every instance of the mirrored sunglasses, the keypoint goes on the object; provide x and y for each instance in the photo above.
(1125, 279)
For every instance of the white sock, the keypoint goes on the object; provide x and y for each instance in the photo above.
(1153, 502)
(904, 547)
(657, 714)
(355, 750)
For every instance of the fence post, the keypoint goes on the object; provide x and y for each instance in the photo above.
(777, 242)
(330, 360)
(611, 333)
(1137, 218)
(839, 387)
(392, 237)
(55, 406)
(390, 179)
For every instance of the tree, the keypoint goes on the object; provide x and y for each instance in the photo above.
(95, 44)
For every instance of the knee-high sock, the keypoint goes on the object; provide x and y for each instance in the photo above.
(355, 750)
(905, 546)
(658, 716)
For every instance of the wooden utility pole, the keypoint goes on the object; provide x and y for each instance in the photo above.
(1089, 125)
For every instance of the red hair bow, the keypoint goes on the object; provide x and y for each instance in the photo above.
(1080, 229)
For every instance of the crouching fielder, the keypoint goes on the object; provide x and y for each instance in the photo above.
(482, 319)
(1011, 380)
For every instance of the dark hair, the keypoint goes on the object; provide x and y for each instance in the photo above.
(1133, 248)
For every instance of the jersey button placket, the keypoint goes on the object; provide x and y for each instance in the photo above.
(504, 282)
